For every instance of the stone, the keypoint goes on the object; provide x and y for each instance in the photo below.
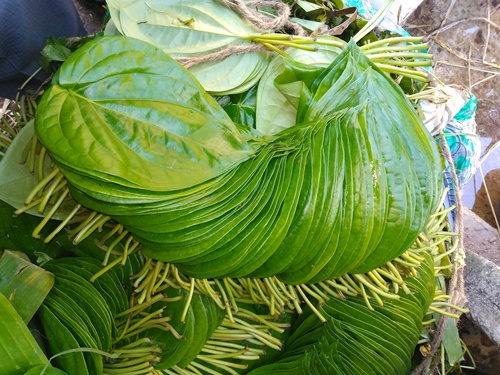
(482, 288)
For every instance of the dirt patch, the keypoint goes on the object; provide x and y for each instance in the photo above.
(464, 38)
(482, 349)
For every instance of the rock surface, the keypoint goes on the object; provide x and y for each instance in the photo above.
(482, 287)
(480, 329)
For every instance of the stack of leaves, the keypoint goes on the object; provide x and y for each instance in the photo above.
(355, 172)
(291, 224)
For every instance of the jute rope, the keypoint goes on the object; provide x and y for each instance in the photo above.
(456, 284)
(247, 10)
(260, 20)
(230, 50)
(279, 22)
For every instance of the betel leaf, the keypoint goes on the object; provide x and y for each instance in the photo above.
(355, 339)
(59, 340)
(284, 79)
(195, 28)
(19, 350)
(16, 178)
(46, 370)
(108, 284)
(181, 27)
(241, 107)
(122, 111)
(202, 317)
(231, 75)
(23, 283)
(347, 190)
(283, 85)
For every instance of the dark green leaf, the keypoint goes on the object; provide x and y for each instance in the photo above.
(60, 339)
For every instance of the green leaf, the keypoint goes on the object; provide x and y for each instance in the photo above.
(181, 27)
(80, 331)
(282, 84)
(15, 234)
(55, 50)
(47, 370)
(20, 352)
(241, 107)
(232, 75)
(11, 233)
(202, 318)
(60, 339)
(71, 288)
(308, 6)
(24, 284)
(180, 137)
(357, 340)
(452, 343)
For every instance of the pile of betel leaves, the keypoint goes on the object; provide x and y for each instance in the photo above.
(224, 187)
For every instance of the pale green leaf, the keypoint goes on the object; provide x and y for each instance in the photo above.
(232, 75)
(356, 339)
(308, 6)
(346, 190)
(451, 342)
(275, 109)
(16, 179)
(307, 24)
(181, 27)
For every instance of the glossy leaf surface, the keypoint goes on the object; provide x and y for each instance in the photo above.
(355, 340)
(202, 318)
(122, 111)
(345, 190)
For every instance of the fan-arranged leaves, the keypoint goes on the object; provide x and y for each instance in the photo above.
(233, 74)
(203, 316)
(356, 340)
(354, 183)
(75, 315)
